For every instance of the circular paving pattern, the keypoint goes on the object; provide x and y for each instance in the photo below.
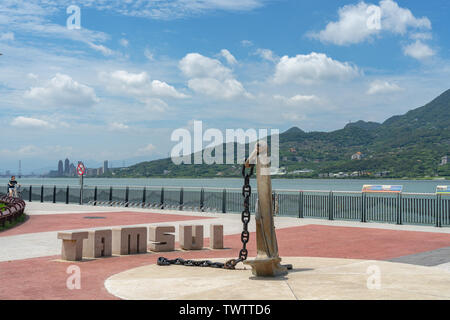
(311, 278)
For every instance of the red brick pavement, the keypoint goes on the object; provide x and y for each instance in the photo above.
(45, 278)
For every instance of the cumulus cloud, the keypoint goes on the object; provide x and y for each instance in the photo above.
(267, 54)
(360, 22)
(312, 68)
(124, 42)
(418, 50)
(25, 122)
(226, 89)
(118, 126)
(246, 43)
(210, 77)
(380, 87)
(139, 84)
(228, 56)
(297, 99)
(147, 150)
(32, 76)
(194, 65)
(63, 91)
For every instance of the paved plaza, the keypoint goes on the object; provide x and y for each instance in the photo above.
(331, 259)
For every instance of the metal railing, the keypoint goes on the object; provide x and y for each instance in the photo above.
(402, 208)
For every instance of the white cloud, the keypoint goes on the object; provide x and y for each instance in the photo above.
(225, 89)
(149, 55)
(155, 105)
(228, 56)
(210, 77)
(101, 48)
(312, 68)
(124, 42)
(297, 99)
(138, 84)
(267, 54)
(6, 36)
(358, 23)
(33, 17)
(32, 76)
(194, 65)
(147, 150)
(421, 36)
(246, 43)
(162, 89)
(117, 126)
(171, 9)
(25, 122)
(418, 50)
(380, 87)
(63, 91)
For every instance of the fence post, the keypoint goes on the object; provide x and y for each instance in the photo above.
(224, 201)
(399, 209)
(438, 208)
(162, 198)
(95, 196)
(202, 199)
(31, 192)
(144, 196)
(42, 193)
(300, 204)
(181, 198)
(363, 207)
(330, 206)
(127, 194)
(67, 195)
(110, 193)
(54, 194)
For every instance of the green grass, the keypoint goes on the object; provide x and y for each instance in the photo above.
(12, 224)
(3, 207)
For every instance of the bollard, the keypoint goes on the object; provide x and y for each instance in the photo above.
(224, 201)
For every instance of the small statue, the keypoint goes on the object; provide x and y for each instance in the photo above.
(267, 262)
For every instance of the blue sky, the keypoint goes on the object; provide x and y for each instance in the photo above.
(137, 70)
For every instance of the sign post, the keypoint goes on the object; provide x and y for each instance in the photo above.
(81, 169)
(368, 188)
(443, 190)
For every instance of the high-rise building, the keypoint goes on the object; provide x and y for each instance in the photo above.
(60, 168)
(72, 170)
(67, 166)
(105, 166)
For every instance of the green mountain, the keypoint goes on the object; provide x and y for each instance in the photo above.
(409, 145)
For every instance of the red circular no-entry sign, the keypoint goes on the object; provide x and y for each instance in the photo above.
(81, 169)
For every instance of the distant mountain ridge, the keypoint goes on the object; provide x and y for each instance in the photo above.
(409, 145)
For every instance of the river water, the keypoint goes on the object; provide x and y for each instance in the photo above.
(425, 186)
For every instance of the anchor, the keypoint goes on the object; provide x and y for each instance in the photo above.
(267, 262)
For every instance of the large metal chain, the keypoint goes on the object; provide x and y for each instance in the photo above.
(245, 235)
(245, 217)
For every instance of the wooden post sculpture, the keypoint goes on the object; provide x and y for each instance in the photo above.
(267, 262)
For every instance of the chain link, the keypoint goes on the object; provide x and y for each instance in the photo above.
(245, 235)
